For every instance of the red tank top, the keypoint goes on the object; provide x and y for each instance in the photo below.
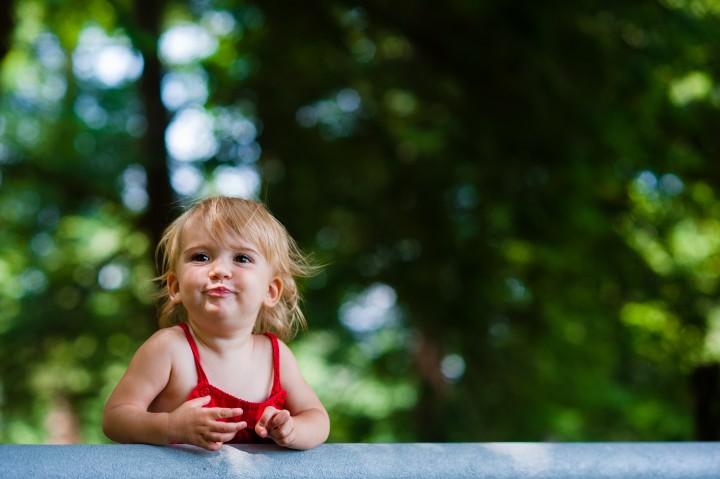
(252, 411)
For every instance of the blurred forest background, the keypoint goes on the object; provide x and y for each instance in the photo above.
(516, 203)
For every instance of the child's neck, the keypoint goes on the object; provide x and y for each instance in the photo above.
(221, 340)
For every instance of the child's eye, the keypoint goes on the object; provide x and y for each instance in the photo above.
(201, 257)
(241, 258)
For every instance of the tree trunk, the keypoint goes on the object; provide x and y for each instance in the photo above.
(6, 26)
(706, 391)
(62, 423)
(149, 19)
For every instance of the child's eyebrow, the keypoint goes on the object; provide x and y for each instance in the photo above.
(238, 245)
(195, 246)
(243, 246)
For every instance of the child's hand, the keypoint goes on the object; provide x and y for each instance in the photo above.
(191, 423)
(277, 425)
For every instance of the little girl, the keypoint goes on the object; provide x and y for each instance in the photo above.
(227, 284)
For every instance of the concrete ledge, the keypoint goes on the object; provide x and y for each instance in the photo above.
(452, 461)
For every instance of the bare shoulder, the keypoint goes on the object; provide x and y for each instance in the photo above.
(165, 342)
(150, 369)
(288, 363)
(168, 336)
(285, 351)
(300, 395)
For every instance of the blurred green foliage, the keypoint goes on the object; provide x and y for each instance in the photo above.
(515, 203)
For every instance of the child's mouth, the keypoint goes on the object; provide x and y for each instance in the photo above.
(219, 291)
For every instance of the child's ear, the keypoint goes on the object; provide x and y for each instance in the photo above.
(274, 292)
(173, 287)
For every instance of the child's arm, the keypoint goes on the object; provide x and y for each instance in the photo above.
(304, 423)
(126, 418)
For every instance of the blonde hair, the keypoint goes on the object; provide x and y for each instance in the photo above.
(241, 218)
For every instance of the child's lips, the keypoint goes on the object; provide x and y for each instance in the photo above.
(219, 291)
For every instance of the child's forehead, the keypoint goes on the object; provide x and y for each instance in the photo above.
(206, 230)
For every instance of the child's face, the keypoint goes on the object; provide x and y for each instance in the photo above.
(221, 278)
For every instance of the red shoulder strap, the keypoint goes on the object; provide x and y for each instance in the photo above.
(276, 387)
(202, 379)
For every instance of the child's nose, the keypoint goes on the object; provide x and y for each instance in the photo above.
(220, 269)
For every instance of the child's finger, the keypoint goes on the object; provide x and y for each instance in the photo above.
(273, 426)
(280, 428)
(198, 402)
(261, 427)
(211, 446)
(279, 419)
(226, 412)
(228, 427)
